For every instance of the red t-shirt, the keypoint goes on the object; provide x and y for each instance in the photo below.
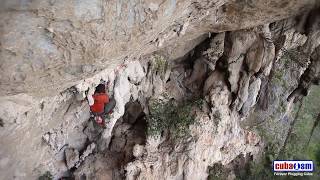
(100, 99)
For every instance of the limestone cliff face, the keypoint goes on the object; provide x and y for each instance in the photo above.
(248, 62)
(48, 46)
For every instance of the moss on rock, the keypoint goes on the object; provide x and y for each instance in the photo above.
(165, 114)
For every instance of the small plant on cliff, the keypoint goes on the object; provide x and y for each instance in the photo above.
(218, 172)
(291, 56)
(166, 115)
(160, 65)
(46, 176)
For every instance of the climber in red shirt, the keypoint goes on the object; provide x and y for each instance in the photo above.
(101, 99)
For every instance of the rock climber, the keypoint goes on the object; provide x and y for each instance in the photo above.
(102, 106)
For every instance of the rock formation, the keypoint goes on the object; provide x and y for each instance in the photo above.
(215, 69)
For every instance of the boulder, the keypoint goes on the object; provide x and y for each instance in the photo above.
(253, 92)
(215, 79)
(243, 93)
(138, 150)
(254, 57)
(195, 81)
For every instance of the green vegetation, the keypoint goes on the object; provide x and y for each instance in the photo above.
(290, 59)
(297, 147)
(273, 130)
(296, 56)
(280, 76)
(160, 65)
(46, 176)
(165, 114)
(218, 172)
